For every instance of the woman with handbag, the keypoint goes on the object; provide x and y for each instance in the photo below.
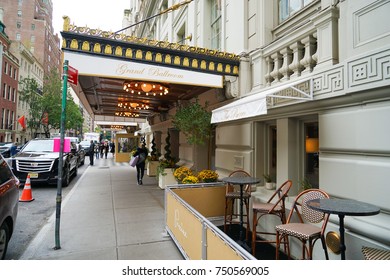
(142, 153)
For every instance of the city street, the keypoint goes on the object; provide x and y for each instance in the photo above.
(33, 215)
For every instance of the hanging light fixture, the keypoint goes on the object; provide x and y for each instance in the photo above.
(134, 105)
(128, 114)
(312, 145)
(146, 88)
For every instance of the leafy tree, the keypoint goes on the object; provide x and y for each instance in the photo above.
(194, 121)
(49, 104)
(30, 93)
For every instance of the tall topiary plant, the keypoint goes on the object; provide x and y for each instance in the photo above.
(153, 153)
(167, 147)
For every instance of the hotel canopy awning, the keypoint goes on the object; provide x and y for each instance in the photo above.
(106, 61)
(256, 104)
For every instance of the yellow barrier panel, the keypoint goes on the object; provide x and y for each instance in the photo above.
(186, 210)
(218, 249)
(185, 227)
(208, 201)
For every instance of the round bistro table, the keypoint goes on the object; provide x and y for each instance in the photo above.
(241, 181)
(342, 208)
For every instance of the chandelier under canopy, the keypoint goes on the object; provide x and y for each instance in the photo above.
(127, 114)
(134, 105)
(145, 87)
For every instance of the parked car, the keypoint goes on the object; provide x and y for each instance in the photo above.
(80, 151)
(38, 159)
(9, 198)
(5, 149)
(85, 145)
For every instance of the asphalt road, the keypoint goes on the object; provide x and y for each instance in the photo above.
(34, 214)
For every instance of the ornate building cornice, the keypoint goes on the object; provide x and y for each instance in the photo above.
(121, 46)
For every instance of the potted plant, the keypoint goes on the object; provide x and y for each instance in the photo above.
(305, 184)
(190, 180)
(182, 172)
(166, 166)
(208, 176)
(269, 185)
(194, 121)
(152, 160)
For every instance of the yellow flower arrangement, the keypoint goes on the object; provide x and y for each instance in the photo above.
(190, 180)
(208, 176)
(182, 172)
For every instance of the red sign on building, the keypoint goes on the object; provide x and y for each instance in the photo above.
(72, 75)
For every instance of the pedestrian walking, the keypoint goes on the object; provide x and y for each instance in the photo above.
(96, 150)
(142, 153)
(91, 155)
(113, 149)
(105, 149)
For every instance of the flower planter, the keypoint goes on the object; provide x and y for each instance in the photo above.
(151, 168)
(270, 186)
(167, 179)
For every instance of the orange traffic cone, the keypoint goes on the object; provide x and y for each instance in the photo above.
(27, 193)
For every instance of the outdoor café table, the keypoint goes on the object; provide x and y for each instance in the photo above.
(241, 181)
(343, 207)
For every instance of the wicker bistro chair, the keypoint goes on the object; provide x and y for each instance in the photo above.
(274, 206)
(304, 229)
(232, 215)
(370, 253)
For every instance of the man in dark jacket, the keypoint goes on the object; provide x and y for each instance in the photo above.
(91, 154)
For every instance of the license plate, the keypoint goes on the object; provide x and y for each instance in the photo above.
(33, 175)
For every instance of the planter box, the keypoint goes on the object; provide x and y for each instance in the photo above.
(151, 168)
(168, 179)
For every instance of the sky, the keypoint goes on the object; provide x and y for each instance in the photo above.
(104, 14)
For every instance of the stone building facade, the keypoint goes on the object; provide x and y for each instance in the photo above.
(311, 72)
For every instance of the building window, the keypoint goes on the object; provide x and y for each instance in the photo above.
(311, 154)
(14, 95)
(9, 93)
(216, 24)
(32, 39)
(289, 7)
(18, 25)
(17, 36)
(20, 2)
(32, 26)
(4, 90)
(2, 118)
(19, 13)
(5, 67)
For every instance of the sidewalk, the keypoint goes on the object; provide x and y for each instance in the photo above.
(107, 216)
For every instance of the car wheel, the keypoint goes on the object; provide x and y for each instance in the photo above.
(4, 238)
(65, 177)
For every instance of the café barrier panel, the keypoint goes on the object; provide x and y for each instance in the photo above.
(189, 210)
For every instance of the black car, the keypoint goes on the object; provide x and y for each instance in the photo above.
(9, 199)
(5, 149)
(38, 159)
(79, 150)
(85, 144)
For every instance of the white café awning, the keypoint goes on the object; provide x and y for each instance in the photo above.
(256, 104)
